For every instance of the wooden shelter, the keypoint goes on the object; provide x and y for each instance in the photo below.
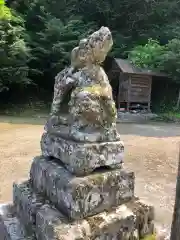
(134, 84)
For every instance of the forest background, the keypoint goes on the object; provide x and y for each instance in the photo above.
(36, 38)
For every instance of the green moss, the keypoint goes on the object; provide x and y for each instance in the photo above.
(149, 237)
(95, 89)
(96, 179)
(82, 190)
(94, 222)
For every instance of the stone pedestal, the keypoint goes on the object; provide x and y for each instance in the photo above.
(79, 197)
(82, 158)
(76, 191)
(55, 204)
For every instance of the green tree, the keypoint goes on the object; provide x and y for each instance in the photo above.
(132, 22)
(148, 55)
(54, 28)
(160, 58)
(52, 47)
(5, 12)
(170, 63)
(14, 53)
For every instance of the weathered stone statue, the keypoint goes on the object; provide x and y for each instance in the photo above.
(64, 198)
(87, 138)
(92, 112)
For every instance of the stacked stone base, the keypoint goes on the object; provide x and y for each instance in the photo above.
(56, 205)
(123, 223)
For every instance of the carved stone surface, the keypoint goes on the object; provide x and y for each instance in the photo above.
(144, 217)
(92, 112)
(52, 225)
(26, 203)
(78, 197)
(132, 220)
(10, 226)
(120, 223)
(82, 158)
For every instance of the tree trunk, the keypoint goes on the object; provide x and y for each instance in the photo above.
(175, 228)
(178, 101)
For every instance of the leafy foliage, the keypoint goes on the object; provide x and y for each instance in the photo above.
(147, 56)
(36, 45)
(165, 58)
(162, 58)
(14, 53)
(170, 60)
(5, 12)
(53, 45)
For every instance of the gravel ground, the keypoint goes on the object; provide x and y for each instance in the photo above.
(150, 150)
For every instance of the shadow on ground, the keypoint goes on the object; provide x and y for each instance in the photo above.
(149, 129)
(157, 130)
(35, 120)
(151, 151)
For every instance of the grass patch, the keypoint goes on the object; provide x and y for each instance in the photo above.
(35, 109)
(168, 117)
(30, 113)
(22, 120)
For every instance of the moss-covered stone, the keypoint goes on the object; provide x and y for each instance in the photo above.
(149, 237)
(82, 158)
(26, 203)
(119, 223)
(144, 216)
(79, 197)
(10, 226)
(91, 104)
(95, 89)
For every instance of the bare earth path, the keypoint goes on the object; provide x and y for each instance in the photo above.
(151, 151)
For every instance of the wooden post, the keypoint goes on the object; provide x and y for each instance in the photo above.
(178, 101)
(175, 228)
(149, 97)
(129, 93)
(119, 90)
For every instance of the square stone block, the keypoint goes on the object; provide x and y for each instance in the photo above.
(79, 197)
(127, 221)
(26, 203)
(120, 223)
(10, 226)
(52, 225)
(145, 216)
(82, 158)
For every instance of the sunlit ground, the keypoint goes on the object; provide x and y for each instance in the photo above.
(150, 150)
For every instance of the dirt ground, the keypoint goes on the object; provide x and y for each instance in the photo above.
(151, 150)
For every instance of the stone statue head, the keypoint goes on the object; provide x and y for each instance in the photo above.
(92, 50)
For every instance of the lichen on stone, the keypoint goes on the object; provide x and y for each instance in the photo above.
(92, 112)
(96, 179)
(149, 237)
(94, 222)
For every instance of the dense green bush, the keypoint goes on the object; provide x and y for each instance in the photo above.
(14, 53)
(160, 58)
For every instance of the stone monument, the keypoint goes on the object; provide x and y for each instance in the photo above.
(78, 188)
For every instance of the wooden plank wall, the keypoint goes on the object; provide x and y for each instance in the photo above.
(123, 87)
(140, 88)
